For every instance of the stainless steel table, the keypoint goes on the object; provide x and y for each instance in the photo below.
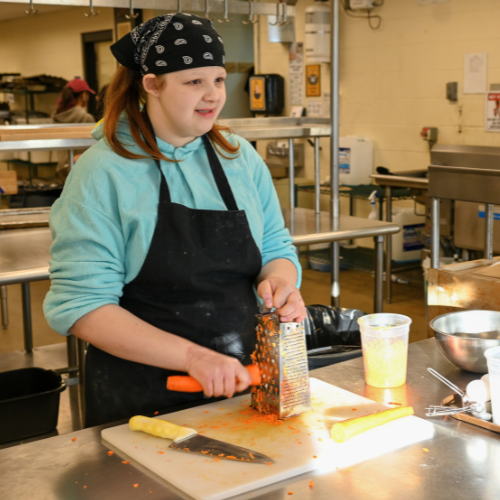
(307, 228)
(461, 462)
(413, 179)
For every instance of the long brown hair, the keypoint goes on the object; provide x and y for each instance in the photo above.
(125, 93)
(67, 100)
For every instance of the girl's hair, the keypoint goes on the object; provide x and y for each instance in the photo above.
(125, 93)
(67, 100)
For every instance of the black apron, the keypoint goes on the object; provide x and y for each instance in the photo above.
(196, 282)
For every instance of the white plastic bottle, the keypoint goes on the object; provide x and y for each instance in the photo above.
(373, 215)
(355, 160)
(318, 32)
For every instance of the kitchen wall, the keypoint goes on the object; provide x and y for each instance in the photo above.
(48, 44)
(392, 80)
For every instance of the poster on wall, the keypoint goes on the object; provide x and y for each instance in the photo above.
(475, 73)
(492, 112)
(313, 80)
(296, 72)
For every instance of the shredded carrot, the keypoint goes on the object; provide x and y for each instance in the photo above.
(251, 456)
(136, 484)
(74, 439)
(160, 452)
(221, 454)
(290, 492)
(354, 409)
(218, 459)
(156, 412)
(84, 487)
(204, 452)
(391, 403)
(125, 461)
(230, 456)
(206, 411)
(311, 484)
(314, 456)
(215, 427)
(268, 463)
(110, 453)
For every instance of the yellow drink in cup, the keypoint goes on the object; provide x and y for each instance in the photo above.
(384, 338)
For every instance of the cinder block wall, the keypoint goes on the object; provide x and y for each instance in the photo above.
(392, 80)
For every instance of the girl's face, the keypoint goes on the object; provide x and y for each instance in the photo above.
(185, 104)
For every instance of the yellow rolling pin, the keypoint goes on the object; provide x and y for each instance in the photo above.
(342, 431)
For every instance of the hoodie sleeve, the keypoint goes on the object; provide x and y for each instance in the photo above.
(87, 253)
(277, 242)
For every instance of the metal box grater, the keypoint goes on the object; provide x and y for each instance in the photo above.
(282, 358)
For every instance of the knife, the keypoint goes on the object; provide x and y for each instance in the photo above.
(189, 441)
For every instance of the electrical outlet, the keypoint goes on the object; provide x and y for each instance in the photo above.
(359, 4)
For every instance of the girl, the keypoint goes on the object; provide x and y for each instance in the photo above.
(165, 230)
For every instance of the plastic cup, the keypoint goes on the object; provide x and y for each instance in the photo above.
(493, 359)
(384, 339)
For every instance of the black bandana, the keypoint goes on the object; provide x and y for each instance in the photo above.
(170, 43)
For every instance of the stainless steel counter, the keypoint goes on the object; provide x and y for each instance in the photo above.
(461, 461)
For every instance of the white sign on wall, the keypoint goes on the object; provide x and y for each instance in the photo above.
(475, 73)
(296, 72)
(492, 112)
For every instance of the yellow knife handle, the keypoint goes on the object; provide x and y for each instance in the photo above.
(160, 428)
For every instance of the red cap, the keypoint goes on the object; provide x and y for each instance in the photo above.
(78, 85)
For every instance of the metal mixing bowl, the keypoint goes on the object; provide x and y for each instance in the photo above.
(464, 336)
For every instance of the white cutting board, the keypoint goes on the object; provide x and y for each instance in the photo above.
(298, 445)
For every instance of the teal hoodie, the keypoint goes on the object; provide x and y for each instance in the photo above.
(103, 223)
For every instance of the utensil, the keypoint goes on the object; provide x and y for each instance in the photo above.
(464, 404)
(470, 419)
(281, 354)
(463, 337)
(189, 441)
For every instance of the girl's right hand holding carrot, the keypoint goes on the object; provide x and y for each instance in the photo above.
(219, 375)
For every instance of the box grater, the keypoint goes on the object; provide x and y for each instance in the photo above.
(282, 358)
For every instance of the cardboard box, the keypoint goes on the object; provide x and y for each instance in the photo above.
(464, 286)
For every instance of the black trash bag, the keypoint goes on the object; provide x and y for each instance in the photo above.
(327, 326)
(332, 335)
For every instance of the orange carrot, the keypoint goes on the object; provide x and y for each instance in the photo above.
(342, 431)
(110, 453)
(125, 461)
(74, 439)
(311, 484)
(182, 383)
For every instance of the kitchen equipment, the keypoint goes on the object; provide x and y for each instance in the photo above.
(190, 441)
(456, 400)
(384, 339)
(493, 358)
(297, 445)
(267, 94)
(466, 404)
(281, 354)
(29, 403)
(463, 337)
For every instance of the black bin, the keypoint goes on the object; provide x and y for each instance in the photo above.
(29, 403)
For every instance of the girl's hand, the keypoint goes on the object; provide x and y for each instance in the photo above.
(286, 298)
(220, 375)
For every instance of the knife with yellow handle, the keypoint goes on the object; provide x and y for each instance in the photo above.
(189, 441)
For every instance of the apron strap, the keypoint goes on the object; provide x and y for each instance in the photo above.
(219, 175)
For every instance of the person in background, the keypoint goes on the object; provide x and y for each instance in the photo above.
(72, 108)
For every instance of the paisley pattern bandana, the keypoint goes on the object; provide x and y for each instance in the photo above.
(169, 43)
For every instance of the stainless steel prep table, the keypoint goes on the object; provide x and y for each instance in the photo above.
(413, 179)
(461, 461)
(308, 228)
